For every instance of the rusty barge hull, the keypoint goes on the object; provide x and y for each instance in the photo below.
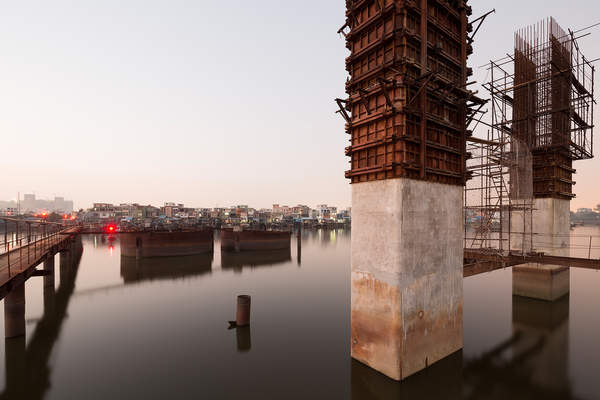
(166, 244)
(254, 240)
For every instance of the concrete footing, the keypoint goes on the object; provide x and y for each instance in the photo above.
(542, 282)
(407, 274)
(65, 262)
(14, 312)
(49, 285)
(551, 227)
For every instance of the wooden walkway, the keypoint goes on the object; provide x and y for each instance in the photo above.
(18, 264)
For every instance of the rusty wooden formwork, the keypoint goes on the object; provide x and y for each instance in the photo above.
(407, 104)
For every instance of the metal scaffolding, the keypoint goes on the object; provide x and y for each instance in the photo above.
(542, 104)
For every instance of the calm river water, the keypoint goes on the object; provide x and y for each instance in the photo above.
(158, 330)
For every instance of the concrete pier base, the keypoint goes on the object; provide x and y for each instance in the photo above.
(407, 274)
(551, 227)
(14, 312)
(49, 267)
(542, 282)
(65, 262)
(49, 285)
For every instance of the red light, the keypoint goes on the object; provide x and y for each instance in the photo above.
(65, 216)
(111, 228)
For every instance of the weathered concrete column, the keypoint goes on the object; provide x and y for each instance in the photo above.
(65, 262)
(407, 274)
(551, 227)
(14, 312)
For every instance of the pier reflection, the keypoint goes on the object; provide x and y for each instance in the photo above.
(531, 364)
(254, 259)
(243, 338)
(28, 368)
(167, 268)
(443, 380)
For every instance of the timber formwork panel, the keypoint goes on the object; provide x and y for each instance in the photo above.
(407, 99)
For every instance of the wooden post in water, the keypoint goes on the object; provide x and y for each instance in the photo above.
(299, 245)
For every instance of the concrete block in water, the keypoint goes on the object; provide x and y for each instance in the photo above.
(551, 227)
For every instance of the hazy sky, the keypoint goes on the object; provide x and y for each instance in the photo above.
(202, 102)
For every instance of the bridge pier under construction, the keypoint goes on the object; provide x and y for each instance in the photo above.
(411, 120)
(406, 116)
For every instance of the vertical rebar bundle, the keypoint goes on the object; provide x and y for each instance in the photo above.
(542, 103)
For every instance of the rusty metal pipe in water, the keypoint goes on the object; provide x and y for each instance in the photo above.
(242, 315)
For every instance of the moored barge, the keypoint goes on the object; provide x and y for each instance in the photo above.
(252, 240)
(165, 243)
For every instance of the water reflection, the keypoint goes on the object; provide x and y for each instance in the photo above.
(443, 380)
(299, 249)
(127, 342)
(28, 368)
(243, 338)
(530, 364)
(109, 240)
(149, 269)
(254, 259)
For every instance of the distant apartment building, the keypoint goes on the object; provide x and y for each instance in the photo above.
(124, 210)
(143, 212)
(58, 205)
(301, 211)
(585, 210)
(102, 211)
(8, 211)
(326, 213)
(170, 210)
(239, 209)
(281, 211)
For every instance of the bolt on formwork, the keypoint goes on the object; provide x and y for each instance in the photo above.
(541, 103)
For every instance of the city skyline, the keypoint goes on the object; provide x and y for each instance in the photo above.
(135, 112)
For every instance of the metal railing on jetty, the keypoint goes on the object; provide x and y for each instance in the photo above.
(24, 241)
